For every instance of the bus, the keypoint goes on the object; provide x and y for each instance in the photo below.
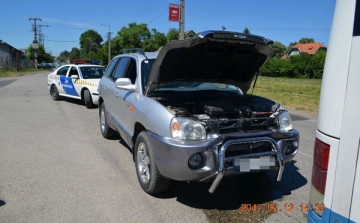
(335, 181)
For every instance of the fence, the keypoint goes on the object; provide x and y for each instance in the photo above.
(17, 65)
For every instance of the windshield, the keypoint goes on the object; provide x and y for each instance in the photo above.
(92, 72)
(146, 66)
(200, 86)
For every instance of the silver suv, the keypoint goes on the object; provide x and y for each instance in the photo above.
(186, 115)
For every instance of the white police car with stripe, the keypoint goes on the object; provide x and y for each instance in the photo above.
(76, 81)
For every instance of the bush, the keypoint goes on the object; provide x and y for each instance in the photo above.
(301, 66)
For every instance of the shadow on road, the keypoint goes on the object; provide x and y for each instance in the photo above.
(3, 83)
(2, 203)
(77, 102)
(298, 117)
(258, 188)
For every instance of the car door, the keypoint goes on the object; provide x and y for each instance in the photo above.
(124, 103)
(114, 104)
(67, 83)
(61, 74)
(77, 83)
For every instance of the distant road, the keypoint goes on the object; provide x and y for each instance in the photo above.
(56, 167)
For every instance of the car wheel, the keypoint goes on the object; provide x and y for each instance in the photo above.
(54, 92)
(88, 99)
(106, 131)
(147, 172)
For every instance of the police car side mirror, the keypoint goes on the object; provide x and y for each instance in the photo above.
(74, 76)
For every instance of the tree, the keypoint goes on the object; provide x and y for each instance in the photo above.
(319, 59)
(74, 54)
(102, 53)
(90, 42)
(301, 65)
(276, 67)
(132, 36)
(279, 48)
(42, 56)
(306, 40)
(63, 56)
(155, 41)
(173, 34)
(246, 30)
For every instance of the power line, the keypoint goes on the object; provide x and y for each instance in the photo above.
(60, 27)
(60, 40)
(160, 14)
(142, 9)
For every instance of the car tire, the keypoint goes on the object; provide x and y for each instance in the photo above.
(106, 131)
(88, 100)
(54, 92)
(149, 177)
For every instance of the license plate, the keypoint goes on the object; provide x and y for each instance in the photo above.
(244, 165)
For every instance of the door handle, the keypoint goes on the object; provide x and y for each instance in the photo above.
(116, 94)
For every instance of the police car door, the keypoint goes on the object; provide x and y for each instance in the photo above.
(61, 74)
(67, 82)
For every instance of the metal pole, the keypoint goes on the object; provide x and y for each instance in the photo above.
(109, 43)
(182, 19)
(35, 42)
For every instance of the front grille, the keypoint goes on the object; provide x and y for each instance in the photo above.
(225, 125)
(247, 148)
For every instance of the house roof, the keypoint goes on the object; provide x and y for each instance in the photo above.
(190, 31)
(310, 48)
(9, 46)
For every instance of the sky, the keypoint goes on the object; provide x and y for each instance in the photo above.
(62, 22)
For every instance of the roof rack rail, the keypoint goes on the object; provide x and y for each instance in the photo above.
(139, 50)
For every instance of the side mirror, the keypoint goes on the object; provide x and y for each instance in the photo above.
(74, 76)
(125, 84)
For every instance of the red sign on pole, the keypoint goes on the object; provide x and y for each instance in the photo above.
(174, 12)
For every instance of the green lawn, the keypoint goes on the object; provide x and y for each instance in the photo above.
(296, 94)
(14, 73)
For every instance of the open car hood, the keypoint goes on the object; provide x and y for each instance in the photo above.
(214, 56)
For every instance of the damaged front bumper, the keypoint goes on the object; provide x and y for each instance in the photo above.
(222, 155)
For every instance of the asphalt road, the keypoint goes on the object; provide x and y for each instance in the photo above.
(56, 167)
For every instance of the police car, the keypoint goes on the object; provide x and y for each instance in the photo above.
(78, 81)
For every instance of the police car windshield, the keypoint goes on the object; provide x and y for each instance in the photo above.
(92, 72)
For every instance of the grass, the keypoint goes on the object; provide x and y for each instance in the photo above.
(295, 94)
(14, 73)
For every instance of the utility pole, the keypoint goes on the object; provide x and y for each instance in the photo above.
(35, 42)
(109, 43)
(41, 36)
(182, 19)
(34, 26)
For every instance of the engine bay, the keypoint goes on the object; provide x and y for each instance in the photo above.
(223, 113)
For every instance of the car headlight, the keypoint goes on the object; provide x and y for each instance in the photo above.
(183, 128)
(284, 121)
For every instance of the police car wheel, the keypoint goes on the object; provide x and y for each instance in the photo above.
(54, 93)
(88, 100)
